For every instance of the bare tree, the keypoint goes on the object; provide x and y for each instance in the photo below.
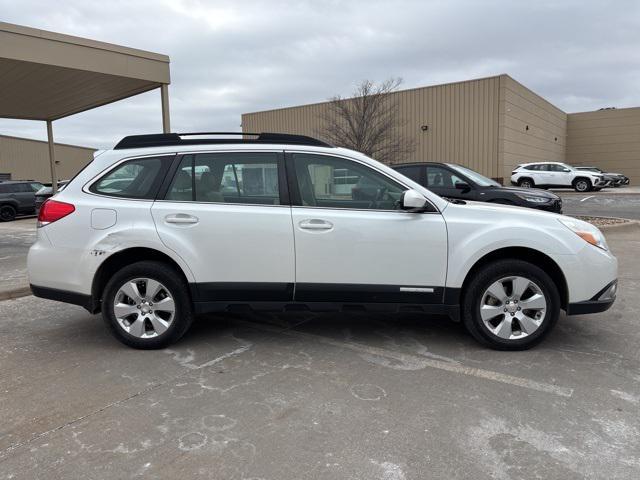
(370, 122)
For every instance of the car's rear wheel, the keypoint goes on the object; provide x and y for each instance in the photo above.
(7, 213)
(582, 185)
(526, 183)
(510, 305)
(147, 305)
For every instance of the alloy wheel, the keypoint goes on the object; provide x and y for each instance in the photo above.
(513, 307)
(144, 308)
(582, 186)
(525, 184)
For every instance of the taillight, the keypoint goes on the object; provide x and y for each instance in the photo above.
(52, 210)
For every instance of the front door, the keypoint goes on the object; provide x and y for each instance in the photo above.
(353, 244)
(227, 216)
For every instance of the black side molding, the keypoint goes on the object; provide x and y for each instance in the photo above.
(83, 300)
(590, 306)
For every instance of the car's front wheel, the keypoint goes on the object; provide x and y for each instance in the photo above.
(510, 305)
(147, 305)
(582, 185)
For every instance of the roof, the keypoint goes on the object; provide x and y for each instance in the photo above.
(46, 75)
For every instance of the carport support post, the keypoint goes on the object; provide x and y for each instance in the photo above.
(52, 157)
(164, 96)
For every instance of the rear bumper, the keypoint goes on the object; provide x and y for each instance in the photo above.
(600, 302)
(65, 296)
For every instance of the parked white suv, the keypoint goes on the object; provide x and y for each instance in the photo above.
(558, 175)
(163, 227)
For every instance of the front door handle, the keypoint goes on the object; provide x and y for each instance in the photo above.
(316, 224)
(181, 218)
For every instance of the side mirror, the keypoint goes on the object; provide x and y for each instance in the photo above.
(464, 186)
(566, 170)
(412, 200)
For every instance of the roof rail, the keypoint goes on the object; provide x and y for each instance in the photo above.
(171, 139)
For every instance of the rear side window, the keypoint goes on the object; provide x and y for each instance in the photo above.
(413, 172)
(242, 177)
(4, 188)
(138, 179)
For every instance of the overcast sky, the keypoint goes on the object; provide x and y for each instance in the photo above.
(231, 57)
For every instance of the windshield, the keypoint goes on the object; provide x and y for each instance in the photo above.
(475, 176)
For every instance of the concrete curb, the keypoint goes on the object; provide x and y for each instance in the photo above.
(621, 227)
(15, 293)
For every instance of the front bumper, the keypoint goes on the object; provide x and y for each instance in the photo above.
(600, 302)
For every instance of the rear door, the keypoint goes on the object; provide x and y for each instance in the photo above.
(25, 196)
(227, 215)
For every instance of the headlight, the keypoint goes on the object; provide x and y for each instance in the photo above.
(586, 231)
(532, 199)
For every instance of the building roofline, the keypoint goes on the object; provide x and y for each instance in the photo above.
(13, 137)
(85, 42)
(397, 91)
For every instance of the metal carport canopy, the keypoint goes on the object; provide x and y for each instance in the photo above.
(46, 76)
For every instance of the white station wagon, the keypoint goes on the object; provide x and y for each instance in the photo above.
(167, 226)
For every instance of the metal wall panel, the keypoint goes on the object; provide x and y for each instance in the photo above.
(29, 159)
(608, 139)
(530, 128)
(462, 120)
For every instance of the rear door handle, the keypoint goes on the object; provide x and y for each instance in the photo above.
(181, 218)
(316, 224)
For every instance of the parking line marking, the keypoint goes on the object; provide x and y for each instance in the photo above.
(428, 362)
(587, 198)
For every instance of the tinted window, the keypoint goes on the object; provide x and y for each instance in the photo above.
(24, 188)
(536, 168)
(250, 178)
(441, 177)
(4, 188)
(138, 178)
(413, 172)
(557, 168)
(333, 182)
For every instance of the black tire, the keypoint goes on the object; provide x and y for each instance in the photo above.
(7, 213)
(175, 285)
(485, 277)
(582, 185)
(526, 183)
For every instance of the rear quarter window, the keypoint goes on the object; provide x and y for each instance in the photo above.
(137, 179)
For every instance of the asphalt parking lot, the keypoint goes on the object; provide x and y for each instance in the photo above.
(607, 203)
(15, 239)
(249, 396)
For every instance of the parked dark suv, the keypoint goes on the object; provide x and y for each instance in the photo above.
(455, 181)
(17, 197)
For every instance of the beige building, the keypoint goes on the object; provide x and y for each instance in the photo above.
(26, 159)
(491, 125)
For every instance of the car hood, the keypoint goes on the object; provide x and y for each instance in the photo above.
(527, 191)
(487, 210)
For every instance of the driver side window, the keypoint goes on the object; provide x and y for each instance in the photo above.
(334, 182)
